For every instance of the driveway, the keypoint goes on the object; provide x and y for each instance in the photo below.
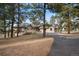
(65, 45)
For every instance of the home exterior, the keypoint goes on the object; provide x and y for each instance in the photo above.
(21, 28)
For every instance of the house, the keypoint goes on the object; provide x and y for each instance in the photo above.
(21, 27)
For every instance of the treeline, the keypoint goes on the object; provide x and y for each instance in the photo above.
(11, 13)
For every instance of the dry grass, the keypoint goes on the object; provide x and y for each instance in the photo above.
(39, 47)
(20, 39)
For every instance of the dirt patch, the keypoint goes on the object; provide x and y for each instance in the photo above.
(39, 47)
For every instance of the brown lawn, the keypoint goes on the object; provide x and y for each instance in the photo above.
(27, 45)
(20, 39)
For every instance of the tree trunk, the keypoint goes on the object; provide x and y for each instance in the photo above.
(9, 29)
(4, 28)
(12, 27)
(8, 33)
(44, 29)
(12, 21)
(18, 19)
(69, 25)
(4, 23)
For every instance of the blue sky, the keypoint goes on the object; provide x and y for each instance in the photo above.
(48, 16)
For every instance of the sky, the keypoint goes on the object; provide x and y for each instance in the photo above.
(48, 16)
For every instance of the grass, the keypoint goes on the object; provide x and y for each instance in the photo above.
(20, 38)
(25, 45)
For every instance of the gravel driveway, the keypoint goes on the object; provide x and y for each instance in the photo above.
(65, 45)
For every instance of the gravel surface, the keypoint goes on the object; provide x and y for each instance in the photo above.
(65, 45)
